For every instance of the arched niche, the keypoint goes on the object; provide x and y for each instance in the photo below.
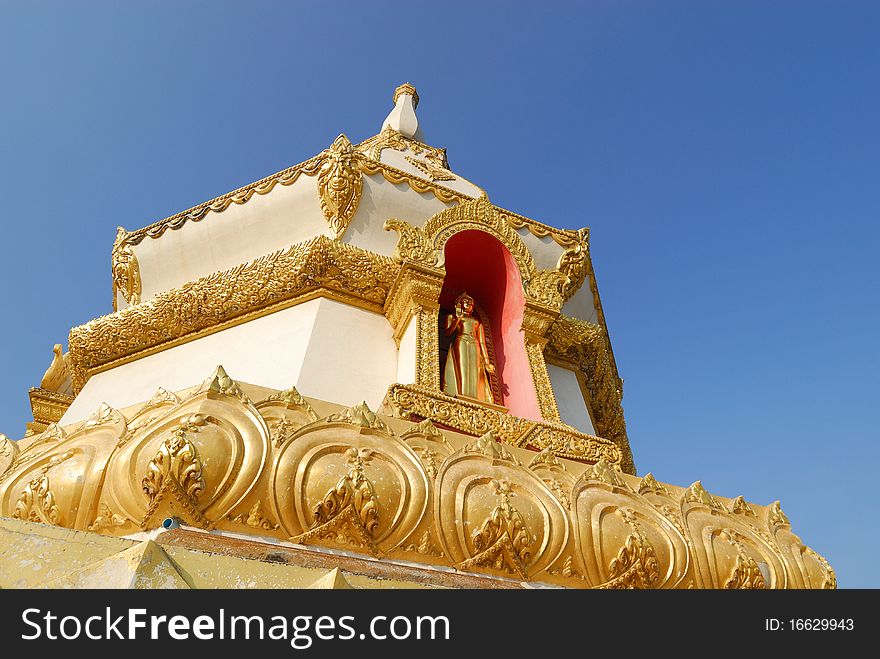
(479, 264)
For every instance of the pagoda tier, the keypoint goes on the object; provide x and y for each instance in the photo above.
(420, 377)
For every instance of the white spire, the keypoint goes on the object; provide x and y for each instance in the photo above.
(403, 117)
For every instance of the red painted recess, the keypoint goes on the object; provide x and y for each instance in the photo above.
(480, 265)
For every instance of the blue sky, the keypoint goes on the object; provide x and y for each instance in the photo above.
(725, 156)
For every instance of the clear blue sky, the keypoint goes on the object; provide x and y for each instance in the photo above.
(726, 156)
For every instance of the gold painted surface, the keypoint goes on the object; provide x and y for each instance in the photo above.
(214, 302)
(386, 487)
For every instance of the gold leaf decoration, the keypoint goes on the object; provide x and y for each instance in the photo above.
(349, 512)
(502, 542)
(340, 185)
(360, 415)
(696, 493)
(585, 346)
(650, 484)
(746, 575)
(37, 503)
(255, 518)
(126, 271)
(177, 471)
(635, 566)
(413, 244)
(107, 519)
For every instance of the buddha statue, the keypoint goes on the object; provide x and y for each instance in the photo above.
(468, 368)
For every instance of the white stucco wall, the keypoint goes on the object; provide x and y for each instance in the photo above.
(326, 349)
(570, 399)
(545, 251)
(284, 216)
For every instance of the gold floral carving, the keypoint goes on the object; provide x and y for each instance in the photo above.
(125, 269)
(320, 266)
(541, 380)
(348, 508)
(255, 518)
(107, 520)
(220, 383)
(176, 472)
(432, 167)
(211, 463)
(775, 516)
(502, 542)
(829, 580)
(584, 345)
(413, 244)
(397, 176)
(696, 493)
(240, 196)
(636, 565)
(410, 401)
(746, 575)
(362, 416)
(574, 263)
(650, 484)
(160, 398)
(340, 185)
(741, 507)
(37, 503)
(426, 547)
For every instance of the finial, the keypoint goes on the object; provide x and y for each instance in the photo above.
(407, 88)
(402, 118)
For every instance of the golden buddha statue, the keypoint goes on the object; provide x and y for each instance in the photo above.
(468, 367)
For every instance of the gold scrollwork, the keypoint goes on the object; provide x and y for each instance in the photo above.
(636, 565)
(176, 470)
(503, 541)
(340, 185)
(37, 503)
(350, 507)
(410, 401)
(584, 345)
(746, 575)
(126, 271)
(247, 291)
(254, 518)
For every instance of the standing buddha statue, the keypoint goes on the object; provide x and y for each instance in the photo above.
(468, 367)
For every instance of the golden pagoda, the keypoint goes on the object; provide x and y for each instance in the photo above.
(358, 373)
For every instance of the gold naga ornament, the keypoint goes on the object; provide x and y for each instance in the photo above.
(340, 185)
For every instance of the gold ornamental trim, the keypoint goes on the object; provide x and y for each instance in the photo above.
(413, 403)
(583, 345)
(125, 269)
(219, 204)
(397, 490)
(47, 407)
(314, 268)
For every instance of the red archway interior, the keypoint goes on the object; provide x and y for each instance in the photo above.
(479, 264)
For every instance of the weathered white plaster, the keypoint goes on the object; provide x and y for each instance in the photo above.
(266, 223)
(570, 399)
(407, 355)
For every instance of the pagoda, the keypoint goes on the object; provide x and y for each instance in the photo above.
(358, 372)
